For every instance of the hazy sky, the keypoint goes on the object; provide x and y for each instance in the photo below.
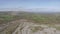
(31, 4)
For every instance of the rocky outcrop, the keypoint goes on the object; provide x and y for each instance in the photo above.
(32, 28)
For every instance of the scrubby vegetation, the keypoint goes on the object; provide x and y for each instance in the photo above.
(46, 18)
(42, 18)
(4, 18)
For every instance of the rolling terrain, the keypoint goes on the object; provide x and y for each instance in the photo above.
(29, 23)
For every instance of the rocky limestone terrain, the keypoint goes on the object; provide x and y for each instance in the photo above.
(24, 26)
(32, 28)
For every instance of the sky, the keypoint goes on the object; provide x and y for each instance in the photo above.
(40, 5)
